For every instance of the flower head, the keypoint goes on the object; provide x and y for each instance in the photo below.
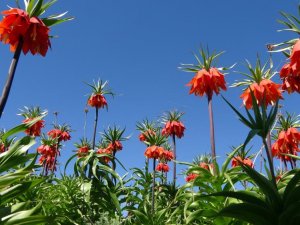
(191, 177)
(97, 98)
(106, 151)
(154, 152)
(61, 132)
(208, 79)
(172, 124)
(31, 114)
(26, 28)
(163, 167)
(207, 82)
(83, 147)
(14, 25)
(265, 92)
(290, 72)
(237, 161)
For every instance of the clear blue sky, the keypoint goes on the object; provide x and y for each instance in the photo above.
(137, 46)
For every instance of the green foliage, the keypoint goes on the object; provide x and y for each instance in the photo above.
(16, 181)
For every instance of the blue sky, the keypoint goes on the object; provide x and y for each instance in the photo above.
(137, 46)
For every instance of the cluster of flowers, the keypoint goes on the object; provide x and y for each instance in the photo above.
(163, 155)
(110, 150)
(286, 143)
(290, 72)
(17, 27)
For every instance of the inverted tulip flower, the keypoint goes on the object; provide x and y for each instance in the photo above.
(208, 80)
(24, 30)
(287, 139)
(60, 132)
(111, 139)
(173, 127)
(238, 161)
(49, 150)
(97, 100)
(83, 147)
(290, 72)
(162, 167)
(31, 114)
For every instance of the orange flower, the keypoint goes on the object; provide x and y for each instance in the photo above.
(207, 82)
(173, 128)
(295, 58)
(97, 100)
(143, 136)
(191, 177)
(115, 146)
(237, 161)
(163, 167)
(16, 24)
(2, 148)
(154, 152)
(47, 159)
(82, 151)
(37, 37)
(167, 155)
(35, 129)
(13, 26)
(104, 151)
(287, 143)
(290, 72)
(59, 134)
(266, 90)
(205, 165)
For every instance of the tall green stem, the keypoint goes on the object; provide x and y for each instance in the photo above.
(95, 128)
(153, 186)
(270, 160)
(10, 76)
(174, 163)
(212, 131)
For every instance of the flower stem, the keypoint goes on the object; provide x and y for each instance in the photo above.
(270, 161)
(174, 163)
(212, 131)
(10, 76)
(153, 186)
(95, 128)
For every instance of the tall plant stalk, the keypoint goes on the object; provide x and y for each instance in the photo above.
(174, 163)
(270, 161)
(212, 131)
(95, 128)
(153, 187)
(10, 76)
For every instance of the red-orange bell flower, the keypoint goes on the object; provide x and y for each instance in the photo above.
(237, 161)
(36, 39)
(207, 82)
(97, 100)
(59, 134)
(163, 167)
(266, 90)
(173, 128)
(191, 177)
(154, 152)
(105, 151)
(82, 151)
(17, 25)
(35, 129)
(290, 72)
(13, 26)
(287, 143)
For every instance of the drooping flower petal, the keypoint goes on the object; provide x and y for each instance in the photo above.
(207, 82)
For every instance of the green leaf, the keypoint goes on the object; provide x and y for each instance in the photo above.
(250, 213)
